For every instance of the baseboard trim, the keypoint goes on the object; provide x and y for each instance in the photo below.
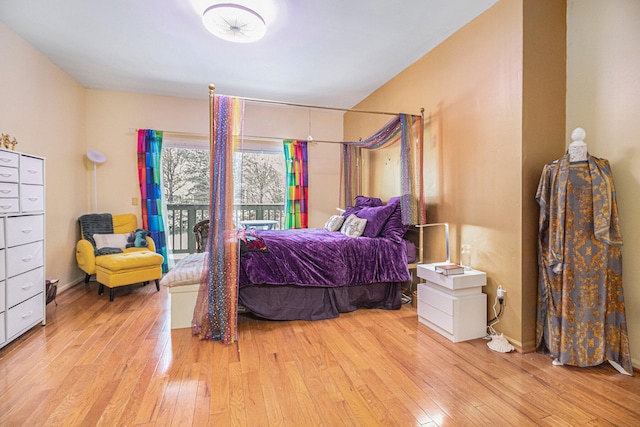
(68, 285)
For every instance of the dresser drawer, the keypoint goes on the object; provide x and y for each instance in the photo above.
(436, 317)
(470, 282)
(9, 206)
(24, 315)
(31, 170)
(3, 273)
(24, 286)
(9, 189)
(2, 336)
(24, 229)
(435, 298)
(31, 198)
(8, 174)
(21, 259)
(7, 158)
(3, 305)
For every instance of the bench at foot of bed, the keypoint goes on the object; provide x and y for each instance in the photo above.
(183, 302)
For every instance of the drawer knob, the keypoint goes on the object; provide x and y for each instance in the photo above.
(28, 314)
(6, 175)
(27, 286)
(5, 191)
(5, 206)
(27, 258)
(32, 171)
(33, 199)
(27, 230)
(5, 159)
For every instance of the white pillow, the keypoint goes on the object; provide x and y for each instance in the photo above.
(353, 226)
(334, 223)
(111, 240)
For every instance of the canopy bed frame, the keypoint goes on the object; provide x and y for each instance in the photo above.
(269, 281)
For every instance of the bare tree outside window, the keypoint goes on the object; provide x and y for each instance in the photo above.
(186, 175)
(262, 180)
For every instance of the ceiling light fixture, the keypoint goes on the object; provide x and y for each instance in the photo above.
(233, 22)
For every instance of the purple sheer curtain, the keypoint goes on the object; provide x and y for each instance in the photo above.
(408, 128)
(216, 311)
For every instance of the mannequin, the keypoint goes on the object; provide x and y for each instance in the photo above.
(578, 148)
(580, 263)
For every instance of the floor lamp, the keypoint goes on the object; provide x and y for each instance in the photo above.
(96, 157)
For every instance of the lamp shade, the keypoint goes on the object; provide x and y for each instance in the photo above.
(96, 156)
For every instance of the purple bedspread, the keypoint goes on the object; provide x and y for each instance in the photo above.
(320, 258)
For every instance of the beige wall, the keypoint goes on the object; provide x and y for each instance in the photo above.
(112, 121)
(603, 97)
(44, 109)
(482, 160)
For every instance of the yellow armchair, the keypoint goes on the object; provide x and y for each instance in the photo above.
(85, 256)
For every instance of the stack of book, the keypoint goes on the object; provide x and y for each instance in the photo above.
(449, 269)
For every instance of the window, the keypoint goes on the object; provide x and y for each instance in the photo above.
(261, 175)
(185, 172)
(259, 178)
(260, 185)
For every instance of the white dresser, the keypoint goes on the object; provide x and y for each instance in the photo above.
(22, 231)
(454, 306)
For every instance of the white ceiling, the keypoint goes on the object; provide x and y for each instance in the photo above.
(320, 52)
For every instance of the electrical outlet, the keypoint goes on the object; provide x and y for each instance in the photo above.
(501, 291)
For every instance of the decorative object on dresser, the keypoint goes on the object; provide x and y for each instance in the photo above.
(7, 142)
(454, 306)
(450, 269)
(22, 231)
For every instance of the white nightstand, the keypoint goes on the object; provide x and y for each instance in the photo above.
(454, 306)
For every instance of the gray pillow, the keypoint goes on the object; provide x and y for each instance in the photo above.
(353, 226)
(334, 223)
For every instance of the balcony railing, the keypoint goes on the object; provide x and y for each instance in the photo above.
(182, 218)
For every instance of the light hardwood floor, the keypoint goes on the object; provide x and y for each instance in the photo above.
(120, 364)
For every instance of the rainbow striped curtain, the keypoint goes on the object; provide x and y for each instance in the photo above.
(409, 129)
(150, 179)
(296, 204)
(216, 312)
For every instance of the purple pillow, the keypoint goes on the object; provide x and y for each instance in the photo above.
(372, 202)
(376, 218)
(412, 251)
(361, 202)
(394, 229)
(350, 210)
